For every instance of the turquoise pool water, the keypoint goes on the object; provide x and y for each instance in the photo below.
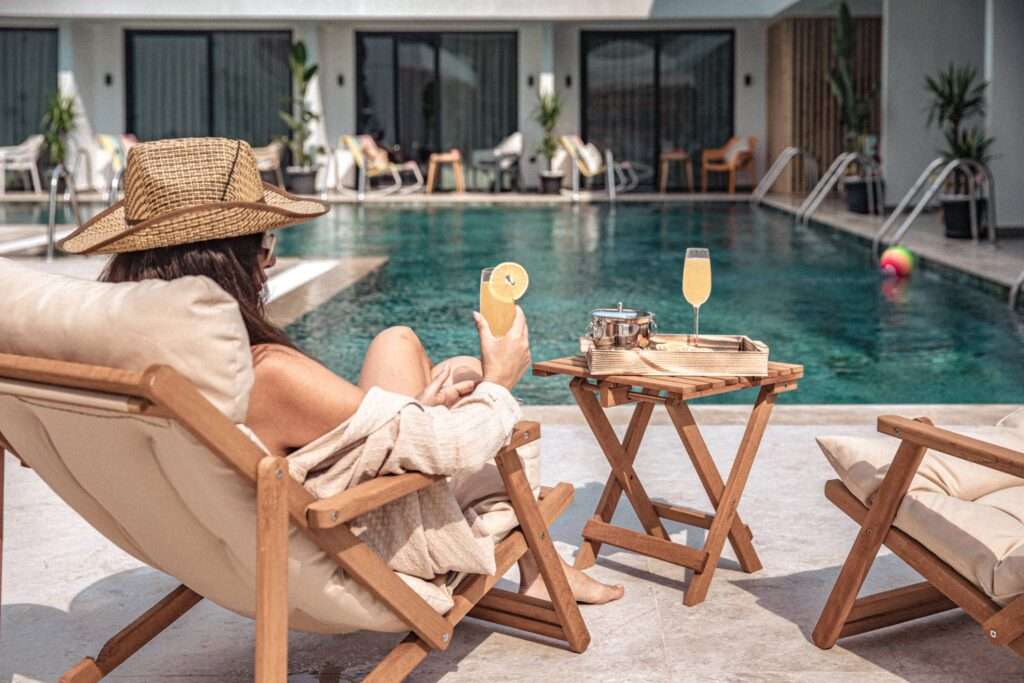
(812, 294)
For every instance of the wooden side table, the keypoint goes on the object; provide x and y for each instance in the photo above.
(686, 164)
(593, 393)
(437, 159)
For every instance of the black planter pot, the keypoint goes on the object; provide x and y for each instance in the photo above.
(956, 214)
(301, 181)
(857, 195)
(550, 184)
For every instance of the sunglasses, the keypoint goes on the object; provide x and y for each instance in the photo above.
(267, 246)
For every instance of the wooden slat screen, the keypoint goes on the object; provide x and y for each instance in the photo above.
(801, 109)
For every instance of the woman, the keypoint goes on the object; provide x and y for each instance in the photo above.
(197, 207)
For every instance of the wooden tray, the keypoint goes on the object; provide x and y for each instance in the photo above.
(672, 354)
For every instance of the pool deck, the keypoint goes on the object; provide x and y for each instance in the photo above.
(1000, 263)
(66, 589)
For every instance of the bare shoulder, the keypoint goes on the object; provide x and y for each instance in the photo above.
(295, 399)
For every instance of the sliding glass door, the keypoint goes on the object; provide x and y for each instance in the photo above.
(28, 78)
(427, 92)
(646, 92)
(202, 83)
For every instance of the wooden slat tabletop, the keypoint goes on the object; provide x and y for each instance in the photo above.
(576, 366)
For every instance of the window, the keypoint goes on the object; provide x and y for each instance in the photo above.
(202, 83)
(28, 78)
(436, 91)
(646, 92)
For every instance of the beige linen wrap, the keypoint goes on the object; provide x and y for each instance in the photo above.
(448, 528)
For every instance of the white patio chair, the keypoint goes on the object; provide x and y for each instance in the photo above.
(22, 158)
(504, 158)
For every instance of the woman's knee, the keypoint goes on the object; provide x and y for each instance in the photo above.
(397, 335)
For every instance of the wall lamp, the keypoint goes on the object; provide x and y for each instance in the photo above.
(529, 81)
(568, 80)
(341, 80)
(108, 78)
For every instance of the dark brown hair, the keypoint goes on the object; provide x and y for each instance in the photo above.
(233, 263)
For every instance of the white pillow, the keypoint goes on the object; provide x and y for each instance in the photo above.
(190, 324)
(737, 147)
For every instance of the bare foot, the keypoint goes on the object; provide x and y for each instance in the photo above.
(585, 589)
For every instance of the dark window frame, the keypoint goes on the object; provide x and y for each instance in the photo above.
(129, 65)
(659, 36)
(56, 57)
(434, 38)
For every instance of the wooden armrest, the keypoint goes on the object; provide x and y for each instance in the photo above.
(523, 433)
(712, 154)
(951, 443)
(347, 505)
(343, 507)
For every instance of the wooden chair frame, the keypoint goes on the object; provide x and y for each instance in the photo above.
(160, 391)
(943, 589)
(715, 161)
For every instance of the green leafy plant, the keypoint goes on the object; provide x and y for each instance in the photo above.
(547, 113)
(58, 122)
(854, 109)
(299, 117)
(956, 97)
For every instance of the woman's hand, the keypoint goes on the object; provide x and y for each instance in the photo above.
(505, 360)
(438, 394)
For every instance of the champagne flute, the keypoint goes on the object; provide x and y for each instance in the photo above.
(697, 284)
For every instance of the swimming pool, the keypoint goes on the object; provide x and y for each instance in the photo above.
(812, 294)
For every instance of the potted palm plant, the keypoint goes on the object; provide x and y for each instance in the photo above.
(854, 109)
(958, 96)
(549, 109)
(58, 123)
(300, 176)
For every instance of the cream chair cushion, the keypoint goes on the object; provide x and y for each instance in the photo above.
(190, 324)
(970, 516)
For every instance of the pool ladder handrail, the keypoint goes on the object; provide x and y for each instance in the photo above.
(1015, 291)
(70, 194)
(974, 170)
(872, 175)
(778, 166)
(926, 174)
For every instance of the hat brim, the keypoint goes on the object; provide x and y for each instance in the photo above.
(109, 231)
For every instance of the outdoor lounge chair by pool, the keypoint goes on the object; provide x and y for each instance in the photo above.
(22, 159)
(268, 160)
(588, 161)
(137, 432)
(372, 162)
(734, 156)
(954, 513)
(499, 161)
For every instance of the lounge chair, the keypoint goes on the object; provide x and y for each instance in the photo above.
(268, 160)
(954, 513)
(116, 148)
(734, 156)
(137, 432)
(22, 158)
(587, 160)
(372, 162)
(504, 159)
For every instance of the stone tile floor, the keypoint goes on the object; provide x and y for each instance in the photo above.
(66, 589)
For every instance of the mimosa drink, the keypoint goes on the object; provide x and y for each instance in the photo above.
(500, 288)
(697, 284)
(697, 280)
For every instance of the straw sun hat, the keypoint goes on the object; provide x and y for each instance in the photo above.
(189, 190)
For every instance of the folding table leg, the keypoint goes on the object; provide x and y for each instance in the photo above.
(621, 463)
(612, 492)
(725, 513)
(739, 535)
